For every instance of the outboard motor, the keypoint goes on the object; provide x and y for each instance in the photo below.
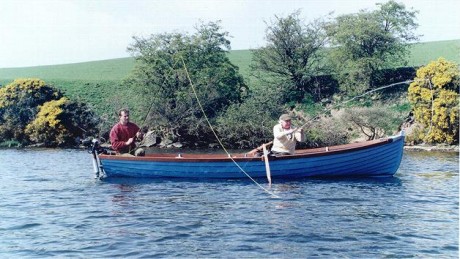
(95, 149)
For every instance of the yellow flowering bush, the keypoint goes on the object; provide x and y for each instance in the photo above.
(434, 97)
(19, 102)
(33, 112)
(47, 127)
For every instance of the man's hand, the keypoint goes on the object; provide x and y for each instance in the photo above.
(129, 141)
(290, 131)
(294, 130)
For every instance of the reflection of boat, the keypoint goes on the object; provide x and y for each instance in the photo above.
(365, 159)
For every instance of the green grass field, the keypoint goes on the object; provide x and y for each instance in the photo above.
(99, 83)
(112, 69)
(423, 53)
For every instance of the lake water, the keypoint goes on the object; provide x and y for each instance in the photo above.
(51, 205)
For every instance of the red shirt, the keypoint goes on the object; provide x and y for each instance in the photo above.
(120, 134)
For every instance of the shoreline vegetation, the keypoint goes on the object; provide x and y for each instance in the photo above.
(436, 148)
(90, 82)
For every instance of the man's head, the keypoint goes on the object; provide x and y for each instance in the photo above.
(123, 115)
(285, 121)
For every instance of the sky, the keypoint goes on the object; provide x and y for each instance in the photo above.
(51, 32)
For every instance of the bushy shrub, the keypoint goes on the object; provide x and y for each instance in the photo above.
(19, 102)
(372, 122)
(61, 122)
(250, 123)
(47, 127)
(325, 131)
(435, 102)
(33, 112)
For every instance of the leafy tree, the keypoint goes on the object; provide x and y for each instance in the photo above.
(435, 101)
(19, 102)
(292, 56)
(161, 77)
(369, 41)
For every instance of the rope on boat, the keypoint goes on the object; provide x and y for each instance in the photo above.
(217, 137)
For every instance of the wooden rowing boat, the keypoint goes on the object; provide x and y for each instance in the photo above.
(376, 158)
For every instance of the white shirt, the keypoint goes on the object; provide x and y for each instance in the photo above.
(285, 143)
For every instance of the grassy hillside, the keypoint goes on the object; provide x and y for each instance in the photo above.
(99, 83)
(112, 69)
(423, 53)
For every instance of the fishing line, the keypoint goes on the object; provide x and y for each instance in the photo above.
(378, 89)
(217, 137)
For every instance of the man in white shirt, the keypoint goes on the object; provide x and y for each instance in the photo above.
(285, 136)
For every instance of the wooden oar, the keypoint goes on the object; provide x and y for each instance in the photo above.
(263, 147)
(267, 164)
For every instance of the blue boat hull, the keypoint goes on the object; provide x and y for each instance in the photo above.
(373, 159)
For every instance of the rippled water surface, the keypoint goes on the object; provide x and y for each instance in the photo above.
(52, 206)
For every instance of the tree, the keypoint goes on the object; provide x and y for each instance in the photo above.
(435, 101)
(365, 42)
(161, 77)
(292, 56)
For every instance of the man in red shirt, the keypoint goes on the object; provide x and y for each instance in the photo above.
(124, 134)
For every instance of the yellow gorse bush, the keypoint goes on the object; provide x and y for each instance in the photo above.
(434, 96)
(9, 93)
(32, 112)
(47, 124)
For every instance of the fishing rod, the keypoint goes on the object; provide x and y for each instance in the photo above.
(260, 148)
(353, 98)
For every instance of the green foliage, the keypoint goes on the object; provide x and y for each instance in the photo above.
(366, 42)
(292, 56)
(373, 122)
(247, 124)
(99, 83)
(327, 131)
(161, 78)
(434, 96)
(10, 143)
